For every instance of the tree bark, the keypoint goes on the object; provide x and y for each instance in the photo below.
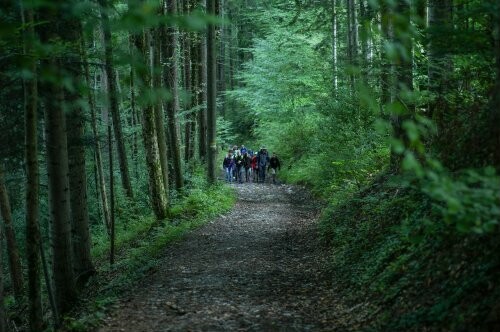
(16, 272)
(211, 95)
(172, 83)
(33, 241)
(113, 100)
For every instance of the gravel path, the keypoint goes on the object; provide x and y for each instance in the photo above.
(258, 268)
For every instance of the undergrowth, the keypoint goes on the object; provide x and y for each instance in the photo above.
(140, 241)
(394, 250)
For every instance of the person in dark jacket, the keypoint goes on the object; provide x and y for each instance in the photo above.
(274, 165)
(228, 165)
(263, 161)
(247, 164)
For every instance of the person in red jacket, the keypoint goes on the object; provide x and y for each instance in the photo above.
(255, 168)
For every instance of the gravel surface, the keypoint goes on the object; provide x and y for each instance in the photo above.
(258, 268)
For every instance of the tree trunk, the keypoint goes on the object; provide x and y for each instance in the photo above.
(3, 318)
(159, 114)
(202, 115)
(385, 81)
(334, 32)
(16, 272)
(221, 63)
(113, 99)
(57, 155)
(364, 41)
(171, 82)
(80, 240)
(211, 95)
(352, 40)
(440, 63)
(101, 182)
(188, 75)
(496, 93)
(32, 177)
(156, 176)
(404, 76)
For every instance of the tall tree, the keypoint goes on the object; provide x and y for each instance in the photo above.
(113, 99)
(3, 320)
(149, 124)
(97, 142)
(60, 25)
(439, 50)
(211, 95)
(334, 32)
(158, 109)
(385, 65)
(404, 75)
(202, 73)
(221, 59)
(171, 81)
(16, 272)
(352, 40)
(189, 129)
(496, 95)
(82, 261)
(32, 178)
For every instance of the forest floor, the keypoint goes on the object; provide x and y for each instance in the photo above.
(260, 267)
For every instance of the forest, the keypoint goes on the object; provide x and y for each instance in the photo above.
(115, 116)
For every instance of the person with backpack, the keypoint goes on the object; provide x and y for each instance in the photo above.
(263, 161)
(228, 165)
(274, 164)
(238, 161)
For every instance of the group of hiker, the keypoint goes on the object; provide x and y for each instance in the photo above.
(244, 165)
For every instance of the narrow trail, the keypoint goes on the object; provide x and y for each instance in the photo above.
(257, 268)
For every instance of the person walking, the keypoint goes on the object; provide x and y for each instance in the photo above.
(274, 165)
(255, 168)
(228, 165)
(247, 165)
(238, 160)
(263, 161)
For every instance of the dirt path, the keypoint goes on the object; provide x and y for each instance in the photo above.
(258, 268)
